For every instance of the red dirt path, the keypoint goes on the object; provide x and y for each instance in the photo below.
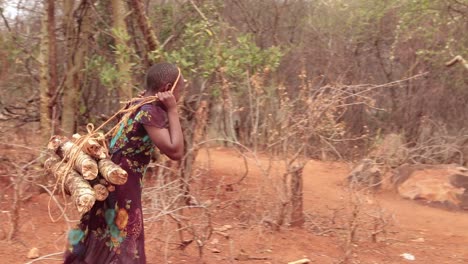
(432, 235)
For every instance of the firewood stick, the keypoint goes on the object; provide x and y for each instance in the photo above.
(66, 149)
(101, 192)
(112, 172)
(110, 187)
(83, 195)
(92, 147)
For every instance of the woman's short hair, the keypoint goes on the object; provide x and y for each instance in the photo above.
(159, 75)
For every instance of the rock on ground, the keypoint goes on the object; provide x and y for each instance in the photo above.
(366, 175)
(441, 184)
(33, 253)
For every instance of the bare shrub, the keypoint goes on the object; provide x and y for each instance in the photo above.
(363, 219)
(435, 144)
(20, 171)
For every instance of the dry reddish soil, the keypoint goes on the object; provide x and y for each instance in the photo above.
(430, 234)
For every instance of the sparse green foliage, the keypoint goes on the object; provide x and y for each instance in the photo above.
(107, 72)
(202, 51)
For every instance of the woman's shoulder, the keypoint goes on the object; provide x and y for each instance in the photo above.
(152, 115)
(152, 109)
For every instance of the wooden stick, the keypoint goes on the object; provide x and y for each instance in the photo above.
(101, 192)
(83, 195)
(92, 147)
(301, 261)
(112, 172)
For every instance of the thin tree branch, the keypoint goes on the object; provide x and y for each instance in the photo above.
(5, 20)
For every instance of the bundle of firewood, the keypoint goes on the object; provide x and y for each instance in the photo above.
(83, 169)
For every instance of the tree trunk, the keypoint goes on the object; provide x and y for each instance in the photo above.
(122, 51)
(53, 82)
(192, 147)
(77, 47)
(297, 212)
(45, 124)
(145, 26)
(70, 91)
(227, 109)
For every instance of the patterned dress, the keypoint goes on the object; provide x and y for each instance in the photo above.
(112, 231)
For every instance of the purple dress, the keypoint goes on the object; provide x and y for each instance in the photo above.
(112, 231)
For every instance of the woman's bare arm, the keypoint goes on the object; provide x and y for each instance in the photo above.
(169, 141)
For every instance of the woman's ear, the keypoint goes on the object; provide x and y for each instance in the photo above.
(168, 87)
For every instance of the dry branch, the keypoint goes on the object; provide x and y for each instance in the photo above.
(297, 213)
(201, 119)
(67, 150)
(112, 172)
(457, 59)
(81, 192)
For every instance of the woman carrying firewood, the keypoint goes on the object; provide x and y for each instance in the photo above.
(112, 231)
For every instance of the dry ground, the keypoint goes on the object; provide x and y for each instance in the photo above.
(432, 235)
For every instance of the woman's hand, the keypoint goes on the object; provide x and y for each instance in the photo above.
(168, 99)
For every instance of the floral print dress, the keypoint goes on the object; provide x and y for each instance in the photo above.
(112, 231)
